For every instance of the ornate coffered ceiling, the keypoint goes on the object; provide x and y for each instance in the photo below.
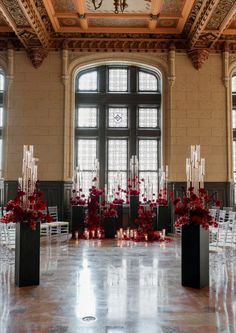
(196, 26)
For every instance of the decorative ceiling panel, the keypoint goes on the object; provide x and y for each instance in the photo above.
(108, 22)
(63, 5)
(167, 23)
(172, 6)
(220, 14)
(133, 6)
(145, 25)
(69, 22)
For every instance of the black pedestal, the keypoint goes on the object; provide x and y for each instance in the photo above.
(27, 255)
(110, 226)
(195, 256)
(119, 208)
(133, 210)
(77, 220)
(163, 218)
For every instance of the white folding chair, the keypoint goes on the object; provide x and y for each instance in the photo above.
(57, 227)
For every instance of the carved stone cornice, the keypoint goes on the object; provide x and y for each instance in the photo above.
(198, 57)
(36, 55)
(117, 44)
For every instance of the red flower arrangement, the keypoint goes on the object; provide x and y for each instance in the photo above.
(24, 209)
(145, 219)
(108, 209)
(93, 218)
(163, 197)
(78, 200)
(193, 209)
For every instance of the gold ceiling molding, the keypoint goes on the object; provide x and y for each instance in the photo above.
(39, 26)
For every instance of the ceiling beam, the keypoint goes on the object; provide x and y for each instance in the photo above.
(184, 15)
(201, 21)
(79, 5)
(31, 13)
(10, 21)
(155, 12)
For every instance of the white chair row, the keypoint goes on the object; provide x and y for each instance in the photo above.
(224, 236)
(55, 228)
(8, 234)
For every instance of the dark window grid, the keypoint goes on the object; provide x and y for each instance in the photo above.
(118, 99)
(132, 99)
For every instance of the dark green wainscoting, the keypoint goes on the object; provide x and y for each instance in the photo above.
(58, 193)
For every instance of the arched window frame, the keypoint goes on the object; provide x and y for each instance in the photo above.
(136, 97)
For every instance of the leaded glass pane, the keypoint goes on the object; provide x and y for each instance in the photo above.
(234, 84)
(88, 81)
(117, 117)
(1, 116)
(150, 184)
(1, 82)
(148, 117)
(148, 153)
(87, 152)
(147, 82)
(87, 117)
(117, 155)
(118, 79)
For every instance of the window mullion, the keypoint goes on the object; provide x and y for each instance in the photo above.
(102, 143)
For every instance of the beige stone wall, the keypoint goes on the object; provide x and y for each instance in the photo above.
(36, 116)
(199, 117)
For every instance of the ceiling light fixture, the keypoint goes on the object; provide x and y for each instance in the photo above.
(119, 5)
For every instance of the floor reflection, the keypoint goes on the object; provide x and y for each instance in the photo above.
(116, 287)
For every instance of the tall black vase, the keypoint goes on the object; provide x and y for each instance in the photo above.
(109, 226)
(133, 210)
(195, 256)
(77, 220)
(27, 255)
(119, 208)
(163, 218)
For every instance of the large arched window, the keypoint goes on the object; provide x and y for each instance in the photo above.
(2, 86)
(117, 115)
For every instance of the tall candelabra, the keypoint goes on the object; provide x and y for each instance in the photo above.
(163, 180)
(95, 173)
(195, 169)
(29, 174)
(134, 172)
(77, 180)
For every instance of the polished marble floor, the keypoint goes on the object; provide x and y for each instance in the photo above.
(117, 287)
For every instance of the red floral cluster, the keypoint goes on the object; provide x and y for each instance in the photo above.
(163, 197)
(93, 217)
(193, 209)
(108, 210)
(145, 219)
(30, 210)
(78, 200)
